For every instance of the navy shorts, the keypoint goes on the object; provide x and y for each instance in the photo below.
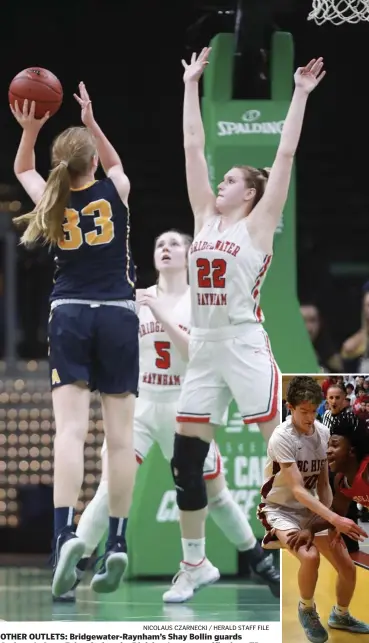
(94, 344)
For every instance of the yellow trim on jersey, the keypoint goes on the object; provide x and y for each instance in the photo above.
(84, 187)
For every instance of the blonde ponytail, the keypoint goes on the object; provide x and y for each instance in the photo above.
(72, 156)
(45, 222)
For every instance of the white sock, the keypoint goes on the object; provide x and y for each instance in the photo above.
(307, 603)
(193, 551)
(95, 519)
(230, 518)
(341, 611)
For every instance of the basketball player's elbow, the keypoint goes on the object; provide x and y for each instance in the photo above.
(22, 167)
(193, 142)
(286, 154)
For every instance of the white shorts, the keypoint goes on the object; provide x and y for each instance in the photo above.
(230, 363)
(283, 519)
(155, 421)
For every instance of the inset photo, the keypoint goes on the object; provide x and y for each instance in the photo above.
(315, 503)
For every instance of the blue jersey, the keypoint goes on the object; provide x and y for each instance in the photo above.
(94, 261)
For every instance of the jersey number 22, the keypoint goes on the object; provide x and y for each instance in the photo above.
(211, 274)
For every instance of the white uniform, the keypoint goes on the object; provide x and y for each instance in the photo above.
(162, 371)
(279, 508)
(230, 354)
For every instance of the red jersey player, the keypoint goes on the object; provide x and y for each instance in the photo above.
(348, 459)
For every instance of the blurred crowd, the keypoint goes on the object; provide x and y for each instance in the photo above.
(345, 392)
(353, 354)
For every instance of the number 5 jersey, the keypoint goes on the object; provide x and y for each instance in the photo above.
(162, 367)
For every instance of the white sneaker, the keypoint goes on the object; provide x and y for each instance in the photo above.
(68, 552)
(189, 579)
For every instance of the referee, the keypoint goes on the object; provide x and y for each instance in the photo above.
(336, 397)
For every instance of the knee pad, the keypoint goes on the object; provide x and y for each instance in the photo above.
(187, 467)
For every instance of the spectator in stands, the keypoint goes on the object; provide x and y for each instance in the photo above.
(328, 357)
(326, 384)
(355, 350)
(350, 393)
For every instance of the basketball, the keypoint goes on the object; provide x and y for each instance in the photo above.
(39, 85)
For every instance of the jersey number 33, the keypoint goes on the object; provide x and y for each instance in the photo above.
(104, 227)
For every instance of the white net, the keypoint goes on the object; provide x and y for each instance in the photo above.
(339, 11)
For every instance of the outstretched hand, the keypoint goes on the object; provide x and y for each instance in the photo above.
(309, 77)
(85, 104)
(350, 528)
(26, 116)
(195, 69)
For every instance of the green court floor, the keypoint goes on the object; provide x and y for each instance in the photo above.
(25, 596)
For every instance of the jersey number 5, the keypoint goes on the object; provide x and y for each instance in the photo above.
(211, 274)
(104, 233)
(163, 358)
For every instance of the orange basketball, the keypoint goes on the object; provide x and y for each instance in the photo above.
(39, 85)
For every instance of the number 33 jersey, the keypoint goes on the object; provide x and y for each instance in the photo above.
(94, 260)
(162, 367)
(226, 275)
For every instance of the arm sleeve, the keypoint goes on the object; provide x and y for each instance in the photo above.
(282, 448)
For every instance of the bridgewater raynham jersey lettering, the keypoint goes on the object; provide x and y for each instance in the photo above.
(287, 445)
(226, 275)
(94, 261)
(161, 365)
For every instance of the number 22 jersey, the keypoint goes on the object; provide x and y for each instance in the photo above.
(226, 275)
(94, 261)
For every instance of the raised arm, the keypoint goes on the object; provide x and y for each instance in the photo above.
(108, 156)
(201, 195)
(25, 162)
(264, 218)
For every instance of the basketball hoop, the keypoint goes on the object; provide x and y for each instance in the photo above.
(339, 11)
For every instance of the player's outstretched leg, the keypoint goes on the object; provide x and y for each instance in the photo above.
(230, 518)
(71, 408)
(118, 421)
(91, 529)
(307, 578)
(187, 467)
(340, 617)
